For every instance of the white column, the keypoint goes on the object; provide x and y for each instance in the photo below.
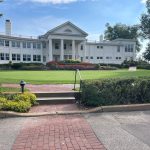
(73, 50)
(84, 51)
(50, 52)
(62, 50)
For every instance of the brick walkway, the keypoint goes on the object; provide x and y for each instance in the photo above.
(52, 108)
(57, 133)
(45, 87)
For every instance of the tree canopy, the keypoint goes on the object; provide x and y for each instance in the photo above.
(145, 29)
(123, 31)
(145, 22)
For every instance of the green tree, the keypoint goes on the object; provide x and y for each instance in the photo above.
(1, 13)
(145, 22)
(145, 28)
(146, 54)
(123, 31)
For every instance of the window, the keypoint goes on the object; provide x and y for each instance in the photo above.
(97, 57)
(34, 45)
(101, 57)
(97, 46)
(26, 57)
(13, 56)
(108, 57)
(1, 56)
(36, 57)
(38, 45)
(15, 44)
(81, 47)
(118, 49)
(18, 44)
(7, 56)
(7, 43)
(4, 56)
(129, 48)
(101, 47)
(1, 42)
(91, 57)
(16, 57)
(87, 57)
(28, 44)
(65, 46)
(44, 44)
(132, 48)
(126, 48)
(24, 45)
(56, 46)
(118, 57)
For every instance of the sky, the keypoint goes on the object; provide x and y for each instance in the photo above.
(36, 17)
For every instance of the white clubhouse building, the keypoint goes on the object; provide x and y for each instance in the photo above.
(66, 41)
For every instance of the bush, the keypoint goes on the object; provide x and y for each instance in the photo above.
(144, 66)
(17, 102)
(115, 91)
(29, 97)
(16, 106)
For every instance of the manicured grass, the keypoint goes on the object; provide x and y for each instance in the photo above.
(8, 89)
(60, 77)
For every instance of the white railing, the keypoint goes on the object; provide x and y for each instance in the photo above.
(77, 72)
(20, 36)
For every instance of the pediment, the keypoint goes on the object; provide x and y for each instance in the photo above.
(67, 29)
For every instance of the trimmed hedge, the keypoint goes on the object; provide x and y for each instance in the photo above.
(115, 91)
(17, 102)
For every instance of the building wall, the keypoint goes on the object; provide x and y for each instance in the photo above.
(103, 52)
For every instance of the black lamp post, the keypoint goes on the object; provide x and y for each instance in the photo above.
(22, 84)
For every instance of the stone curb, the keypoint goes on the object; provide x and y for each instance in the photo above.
(101, 109)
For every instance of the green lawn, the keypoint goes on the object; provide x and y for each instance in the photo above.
(47, 77)
(8, 89)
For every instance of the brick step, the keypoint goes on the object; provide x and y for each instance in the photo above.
(59, 94)
(55, 100)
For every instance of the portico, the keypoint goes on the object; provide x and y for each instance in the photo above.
(66, 41)
(62, 49)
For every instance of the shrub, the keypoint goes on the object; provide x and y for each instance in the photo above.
(144, 66)
(115, 91)
(2, 101)
(21, 106)
(29, 97)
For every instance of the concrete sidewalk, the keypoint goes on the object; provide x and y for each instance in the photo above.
(122, 130)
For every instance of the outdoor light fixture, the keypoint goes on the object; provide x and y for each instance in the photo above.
(22, 84)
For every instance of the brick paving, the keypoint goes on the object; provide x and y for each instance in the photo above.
(57, 133)
(52, 108)
(45, 87)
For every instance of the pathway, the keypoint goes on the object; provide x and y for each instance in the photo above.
(45, 87)
(57, 133)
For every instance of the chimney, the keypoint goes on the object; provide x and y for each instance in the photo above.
(101, 38)
(8, 27)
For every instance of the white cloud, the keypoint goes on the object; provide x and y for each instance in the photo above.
(143, 1)
(53, 1)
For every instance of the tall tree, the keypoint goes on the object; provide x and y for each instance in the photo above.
(145, 22)
(145, 28)
(146, 54)
(123, 31)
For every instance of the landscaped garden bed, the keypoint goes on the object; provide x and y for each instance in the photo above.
(115, 92)
(17, 102)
